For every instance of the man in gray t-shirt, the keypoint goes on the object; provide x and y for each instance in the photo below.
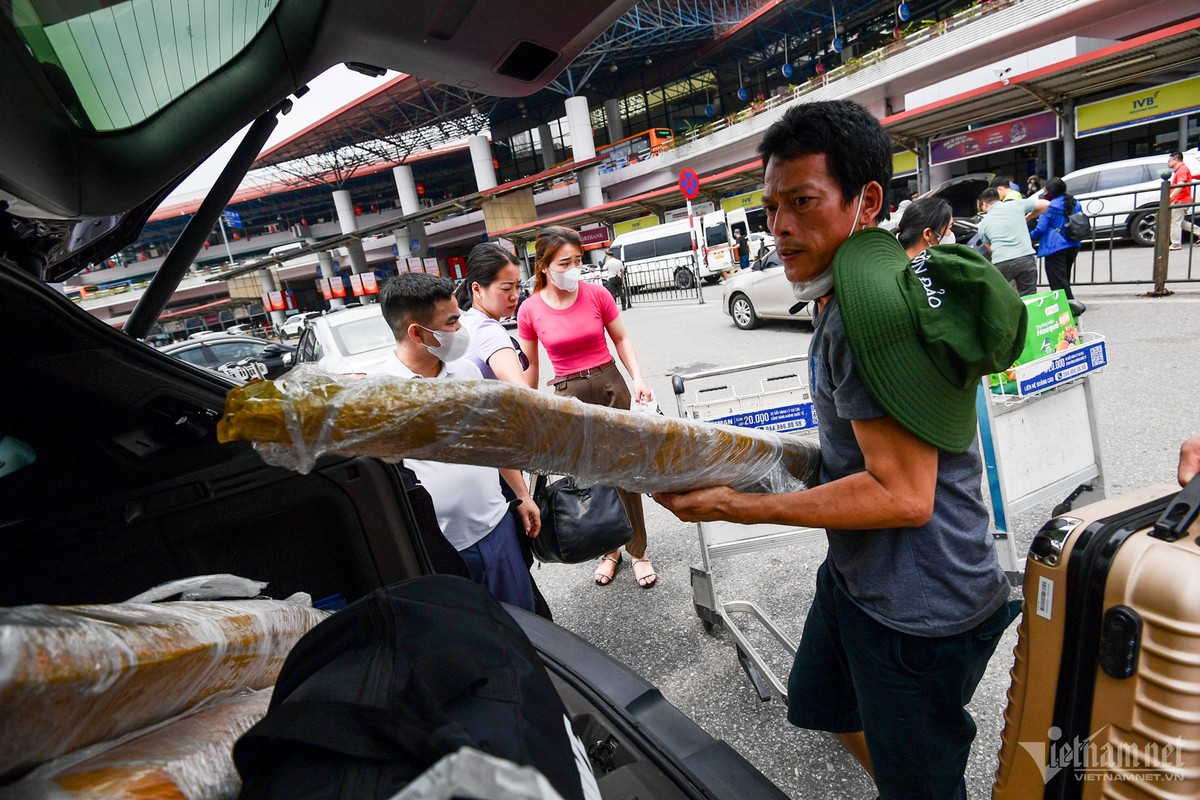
(911, 600)
(1005, 231)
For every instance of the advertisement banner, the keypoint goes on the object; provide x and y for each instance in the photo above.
(337, 286)
(326, 292)
(1137, 108)
(904, 163)
(266, 298)
(370, 283)
(277, 303)
(698, 209)
(356, 284)
(639, 224)
(1021, 132)
(593, 237)
(431, 266)
(747, 201)
(415, 265)
(458, 266)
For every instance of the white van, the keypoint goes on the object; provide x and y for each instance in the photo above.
(658, 257)
(718, 240)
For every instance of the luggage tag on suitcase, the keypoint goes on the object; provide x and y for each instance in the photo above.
(1179, 514)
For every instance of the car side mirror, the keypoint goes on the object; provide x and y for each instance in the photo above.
(272, 350)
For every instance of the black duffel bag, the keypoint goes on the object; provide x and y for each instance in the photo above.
(381, 690)
(578, 524)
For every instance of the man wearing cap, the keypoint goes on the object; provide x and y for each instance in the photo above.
(910, 601)
(614, 277)
(1005, 233)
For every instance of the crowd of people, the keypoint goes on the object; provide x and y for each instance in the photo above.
(911, 600)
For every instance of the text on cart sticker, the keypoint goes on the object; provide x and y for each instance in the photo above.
(1045, 599)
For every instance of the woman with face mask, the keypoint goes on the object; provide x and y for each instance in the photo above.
(926, 223)
(571, 319)
(487, 296)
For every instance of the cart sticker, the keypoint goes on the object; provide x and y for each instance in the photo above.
(1071, 364)
(1045, 599)
(781, 419)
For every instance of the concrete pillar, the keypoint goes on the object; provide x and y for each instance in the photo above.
(923, 169)
(612, 118)
(579, 122)
(584, 148)
(266, 279)
(349, 224)
(1050, 173)
(939, 173)
(1183, 130)
(1068, 136)
(481, 160)
(546, 144)
(325, 270)
(406, 189)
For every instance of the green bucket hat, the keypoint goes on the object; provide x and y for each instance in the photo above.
(924, 331)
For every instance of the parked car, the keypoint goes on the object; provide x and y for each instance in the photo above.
(962, 193)
(762, 292)
(220, 348)
(353, 341)
(1122, 197)
(293, 326)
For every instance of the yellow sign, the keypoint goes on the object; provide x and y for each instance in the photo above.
(748, 200)
(1138, 108)
(904, 163)
(639, 224)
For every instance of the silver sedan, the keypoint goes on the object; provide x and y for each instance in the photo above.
(762, 292)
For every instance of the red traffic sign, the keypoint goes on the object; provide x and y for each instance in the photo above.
(689, 184)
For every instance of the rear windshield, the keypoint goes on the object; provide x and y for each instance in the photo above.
(116, 64)
(362, 335)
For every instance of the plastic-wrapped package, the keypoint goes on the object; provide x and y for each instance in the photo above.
(189, 757)
(71, 676)
(491, 423)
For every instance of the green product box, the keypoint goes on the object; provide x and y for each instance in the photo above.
(1051, 328)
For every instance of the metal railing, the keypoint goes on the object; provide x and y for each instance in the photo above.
(1128, 244)
(663, 280)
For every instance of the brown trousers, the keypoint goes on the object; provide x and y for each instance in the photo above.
(606, 387)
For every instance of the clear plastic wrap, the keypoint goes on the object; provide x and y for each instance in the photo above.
(296, 420)
(71, 676)
(189, 757)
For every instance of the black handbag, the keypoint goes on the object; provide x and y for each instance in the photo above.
(578, 524)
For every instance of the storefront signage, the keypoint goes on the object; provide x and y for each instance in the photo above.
(356, 284)
(639, 224)
(904, 163)
(593, 236)
(431, 266)
(747, 201)
(1137, 108)
(1021, 132)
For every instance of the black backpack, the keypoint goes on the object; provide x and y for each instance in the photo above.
(1077, 227)
(381, 690)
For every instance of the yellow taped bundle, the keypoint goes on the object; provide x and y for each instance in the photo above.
(490, 423)
(71, 676)
(188, 757)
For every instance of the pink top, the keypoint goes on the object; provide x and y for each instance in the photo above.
(574, 336)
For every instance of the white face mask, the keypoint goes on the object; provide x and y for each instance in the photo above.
(949, 238)
(451, 346)
(818, 287)
(567, 281)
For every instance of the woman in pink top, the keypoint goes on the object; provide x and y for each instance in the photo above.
(570, 319)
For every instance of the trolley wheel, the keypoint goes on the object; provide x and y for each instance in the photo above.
(684, 279)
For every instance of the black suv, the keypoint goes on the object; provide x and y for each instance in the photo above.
(122, 484)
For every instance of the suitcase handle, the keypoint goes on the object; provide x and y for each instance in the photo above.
(1179, 514)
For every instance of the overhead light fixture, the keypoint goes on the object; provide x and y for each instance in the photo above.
(649, 61)
(612, 67)
(474, 110)
(1129, 62)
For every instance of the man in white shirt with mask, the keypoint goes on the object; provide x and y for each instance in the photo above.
(471, 509)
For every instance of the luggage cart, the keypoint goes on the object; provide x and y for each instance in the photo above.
(780, 402)
(1042, 440)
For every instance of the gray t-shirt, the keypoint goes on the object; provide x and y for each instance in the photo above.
(936, 580)
(1005, 229)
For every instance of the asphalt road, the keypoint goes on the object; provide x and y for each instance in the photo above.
(1145, 408)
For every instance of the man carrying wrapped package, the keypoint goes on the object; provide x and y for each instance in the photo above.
(911, 600)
